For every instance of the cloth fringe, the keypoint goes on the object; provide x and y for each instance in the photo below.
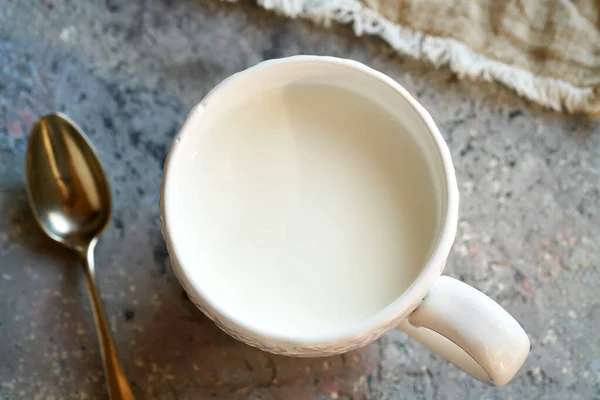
(466, 63)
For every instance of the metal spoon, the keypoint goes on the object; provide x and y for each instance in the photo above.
(70, 198)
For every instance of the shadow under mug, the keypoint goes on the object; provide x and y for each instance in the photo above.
(451, 318)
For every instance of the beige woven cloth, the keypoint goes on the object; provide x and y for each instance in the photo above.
(546, 50)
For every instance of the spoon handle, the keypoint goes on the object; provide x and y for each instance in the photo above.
(116, 382)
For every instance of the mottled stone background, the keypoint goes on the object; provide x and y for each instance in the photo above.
(128, 72)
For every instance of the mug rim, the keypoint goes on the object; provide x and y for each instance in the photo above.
(385, 318)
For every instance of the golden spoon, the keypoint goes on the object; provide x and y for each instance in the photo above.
(70, 198)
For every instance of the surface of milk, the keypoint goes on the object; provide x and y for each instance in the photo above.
(304, 210)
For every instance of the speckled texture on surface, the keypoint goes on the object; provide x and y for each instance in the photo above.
(128, 72)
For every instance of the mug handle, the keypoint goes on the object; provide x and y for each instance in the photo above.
(470, 330)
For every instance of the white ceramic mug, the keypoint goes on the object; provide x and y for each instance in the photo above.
(451, 318)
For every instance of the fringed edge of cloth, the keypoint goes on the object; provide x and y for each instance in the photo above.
(464, 62)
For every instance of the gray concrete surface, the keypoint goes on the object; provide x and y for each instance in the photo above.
(128, 72)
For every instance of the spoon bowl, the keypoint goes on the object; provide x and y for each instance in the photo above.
(67, 187)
